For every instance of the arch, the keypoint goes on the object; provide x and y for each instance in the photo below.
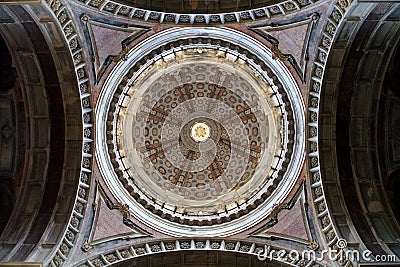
(50, 136)
(124, 255)
(199, 259)
(348, 125)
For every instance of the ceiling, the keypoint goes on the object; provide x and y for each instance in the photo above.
(298, 147)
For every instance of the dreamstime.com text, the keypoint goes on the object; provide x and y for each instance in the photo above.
(341, 254)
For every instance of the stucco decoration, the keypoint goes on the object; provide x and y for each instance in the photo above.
(291, 221)
(296, 35)
(275, 9)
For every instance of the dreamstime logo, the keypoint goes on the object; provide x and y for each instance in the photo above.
(341, 254)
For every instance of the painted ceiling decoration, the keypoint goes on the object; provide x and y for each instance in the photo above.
(198, 131)
(296, 35)
(297, 219)
(107, 41)
(110, 221)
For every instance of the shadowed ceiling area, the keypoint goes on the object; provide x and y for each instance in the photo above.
(39, 104)
(388, 133)
(7, 72)
(7, 129)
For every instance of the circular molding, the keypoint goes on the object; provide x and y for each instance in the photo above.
(131, 137)
(200, 131)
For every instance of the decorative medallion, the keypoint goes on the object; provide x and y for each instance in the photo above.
(200, 131)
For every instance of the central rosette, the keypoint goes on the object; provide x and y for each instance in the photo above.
(200, 132)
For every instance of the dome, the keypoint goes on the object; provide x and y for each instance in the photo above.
(200, 132)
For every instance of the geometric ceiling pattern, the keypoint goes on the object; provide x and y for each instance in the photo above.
(199, 132)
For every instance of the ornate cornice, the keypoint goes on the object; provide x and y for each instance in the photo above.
(155, 17)
(58, 9)
(333, 22)
(126, 253)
